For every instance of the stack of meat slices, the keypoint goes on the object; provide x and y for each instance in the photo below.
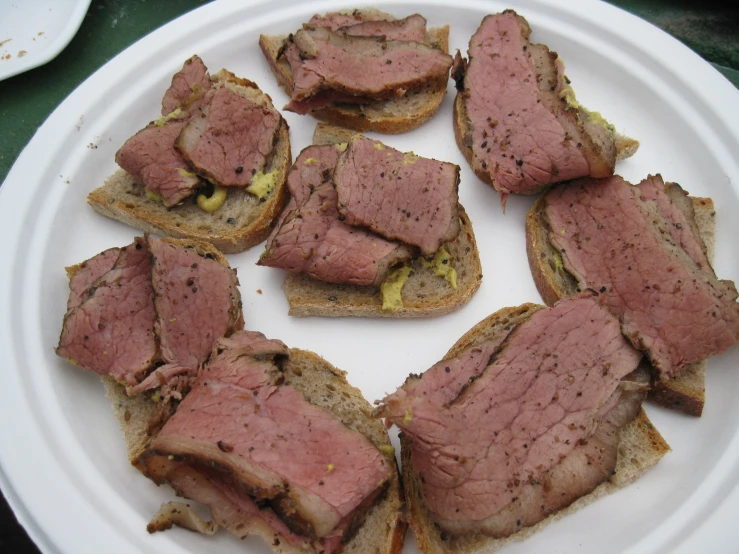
(218, 129)
(252, 447)
(149, 314)
(640, 248)
(363, 213)
(516, 118)
(355, 213)
(532, 409)
(363, 69)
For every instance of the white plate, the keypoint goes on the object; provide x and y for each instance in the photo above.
(33, 32)
(63, 464)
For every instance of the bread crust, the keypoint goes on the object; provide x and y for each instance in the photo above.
(326, 386)
(424, 294)
(386, 116)
(242, 222)
(640, 448)
(685, 392)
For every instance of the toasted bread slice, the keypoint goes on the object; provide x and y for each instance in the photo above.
(625, 146)
(240, 223)
(385, 116)
(640, 448)
(327, 387)
(686, 392)
(424, 293)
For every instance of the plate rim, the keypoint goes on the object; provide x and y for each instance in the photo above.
(721, 87)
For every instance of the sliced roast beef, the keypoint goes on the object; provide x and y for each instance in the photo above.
(310, 238)
(399, 196)
(525, 129)
(231, 509)
(411, 28)
(111, 331)
(590, 463)
(534, 427)
(268, 441)
(322, 98)
(197, 302)
(336, 20)
(160, 377)
(254, 344)
(89, 271)
(377, 24)
(151, 158)
(188, 86)
(676, 209)
(362, 66)
(231, 138)
(612, 241)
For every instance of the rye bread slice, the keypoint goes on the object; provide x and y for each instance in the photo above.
(385, 116)
(640, 448)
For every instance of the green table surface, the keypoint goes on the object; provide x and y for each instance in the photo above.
(26, 100)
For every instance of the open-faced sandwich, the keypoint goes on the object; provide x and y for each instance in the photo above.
(273, 441)
(363, 69)
(531, 415)
(516, 118)
(211, 168)
(371, 231)
(647, 250)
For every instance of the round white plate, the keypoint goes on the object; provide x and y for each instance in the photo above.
(34, 32)
(63, 463)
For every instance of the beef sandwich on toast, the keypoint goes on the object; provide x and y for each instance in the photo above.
(516, 118)
(371, 231)
(363, 69)
(273, 441)
(531, 415)
(211, 168)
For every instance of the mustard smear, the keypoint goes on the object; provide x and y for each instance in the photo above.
(215, 201)
(391, 288)
(442, 264)
(262, 184)
(162, 120)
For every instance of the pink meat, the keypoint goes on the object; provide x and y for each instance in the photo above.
(111, 331)
(151, 158)
(310, 238)
(613, 242)
(672, 204)
(277, 446)
(363, 66)
(335, 20)
(398, 196)
(495, 439)
(231, 139)
(197, 302)
(87, 273)
(411, 28)
(188, 86)
(523, 135)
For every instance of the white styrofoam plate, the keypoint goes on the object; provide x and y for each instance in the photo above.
(62, 460)
(33, 32)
